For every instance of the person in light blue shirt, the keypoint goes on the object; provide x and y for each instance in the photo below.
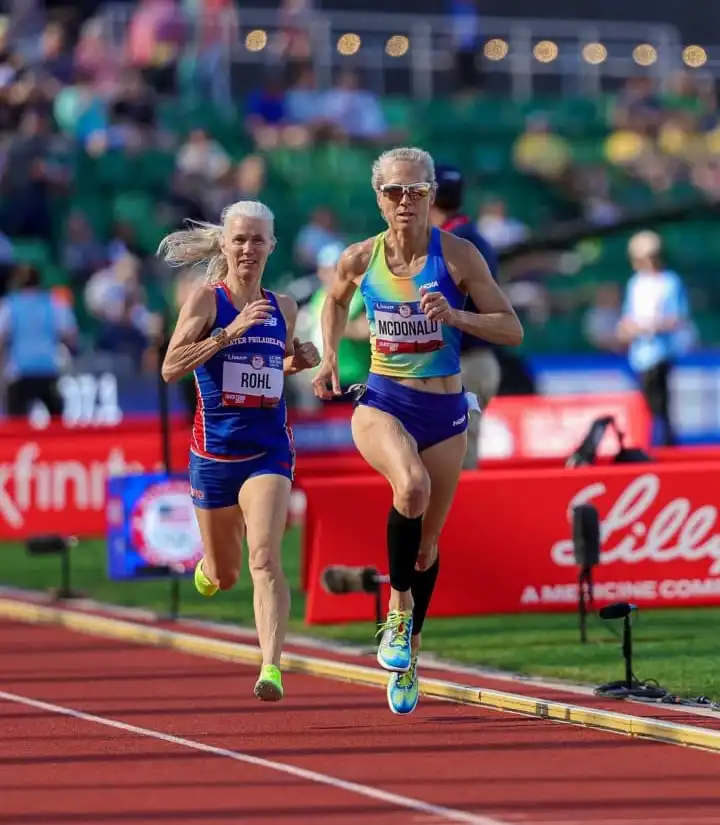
(34, 324)
(655, 324)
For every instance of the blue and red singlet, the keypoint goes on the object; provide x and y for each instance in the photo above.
(240, 428)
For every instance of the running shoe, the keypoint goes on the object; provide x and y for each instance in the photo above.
(269, 687)
(203, 585)
(394, 648)
(403, 690)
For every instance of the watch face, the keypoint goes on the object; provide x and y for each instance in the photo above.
(217, 333)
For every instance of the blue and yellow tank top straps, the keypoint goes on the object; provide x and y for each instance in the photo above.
(404, 342)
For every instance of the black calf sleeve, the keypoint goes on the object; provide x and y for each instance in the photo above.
(423, 584)
(403, 541)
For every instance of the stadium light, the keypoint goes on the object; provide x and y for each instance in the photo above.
(546, 51)
(256, 40)
(694, 56)
(349, 44)
(397, 45)
(496, 49)
(594, 53)
(645, 54)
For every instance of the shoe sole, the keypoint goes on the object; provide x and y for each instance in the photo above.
(393, 669)
(268, 692)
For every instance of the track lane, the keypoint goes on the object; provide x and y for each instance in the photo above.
(513, 769)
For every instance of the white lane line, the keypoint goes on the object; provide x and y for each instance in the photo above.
(439, 811)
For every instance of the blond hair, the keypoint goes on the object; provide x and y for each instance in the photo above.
(200, 244)
(409, 154)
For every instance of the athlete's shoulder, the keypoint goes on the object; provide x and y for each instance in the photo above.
(201, 299)
(355, 259)
(287, 304)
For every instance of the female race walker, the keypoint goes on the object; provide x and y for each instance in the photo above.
(410, 421)
(238, 340)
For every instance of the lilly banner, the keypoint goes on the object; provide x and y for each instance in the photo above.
(507, 545)
(151, 526)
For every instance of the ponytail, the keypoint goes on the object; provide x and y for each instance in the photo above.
(196, 245)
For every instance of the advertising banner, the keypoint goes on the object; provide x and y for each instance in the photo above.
(151, 524)
(60, 473)
(507, 544)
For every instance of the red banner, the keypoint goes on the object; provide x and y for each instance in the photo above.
(507, 545)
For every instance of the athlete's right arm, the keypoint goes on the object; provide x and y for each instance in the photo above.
(186, 351)
(350, 268)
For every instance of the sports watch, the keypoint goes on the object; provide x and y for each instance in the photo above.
(220, 337)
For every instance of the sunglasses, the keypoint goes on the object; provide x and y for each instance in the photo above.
(397, 191)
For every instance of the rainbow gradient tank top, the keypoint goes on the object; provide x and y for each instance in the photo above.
(404, 343)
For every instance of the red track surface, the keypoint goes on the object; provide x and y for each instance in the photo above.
(56, 770)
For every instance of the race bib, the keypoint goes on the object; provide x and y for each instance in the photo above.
(405, 328)
(252, 381)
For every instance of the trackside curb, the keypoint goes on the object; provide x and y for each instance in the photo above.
(94, 625)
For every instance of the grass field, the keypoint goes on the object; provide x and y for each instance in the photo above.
(678, 648)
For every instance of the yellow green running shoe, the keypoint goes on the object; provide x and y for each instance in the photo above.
(403, 690)
(269, 687)
(394, 649)
(203, 585)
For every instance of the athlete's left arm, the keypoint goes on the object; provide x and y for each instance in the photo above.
(299, 355)
(495, 320)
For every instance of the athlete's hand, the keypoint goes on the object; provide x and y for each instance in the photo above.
(305, 355)
(253, 313)
(327, 373)
(435, 305)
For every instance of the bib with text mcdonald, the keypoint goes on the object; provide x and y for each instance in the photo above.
(251, 380)
(405, 328)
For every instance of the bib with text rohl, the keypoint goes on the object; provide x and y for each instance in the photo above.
(405, 328)
(252, 381)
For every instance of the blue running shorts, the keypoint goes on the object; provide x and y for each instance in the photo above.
(215, 483)
(427, 416)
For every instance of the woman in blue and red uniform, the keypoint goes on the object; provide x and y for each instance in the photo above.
(237, 338)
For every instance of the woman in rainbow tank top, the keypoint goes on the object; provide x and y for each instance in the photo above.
(237, 338)
(410, 419)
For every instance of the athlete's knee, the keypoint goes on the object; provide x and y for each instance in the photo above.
(412, 492)
(264, 561)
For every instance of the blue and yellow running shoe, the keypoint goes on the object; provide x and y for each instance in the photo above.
(203, 585)
(403, 690)
(394, 648)
(269, 687)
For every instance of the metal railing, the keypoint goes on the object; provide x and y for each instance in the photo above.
(581, 56)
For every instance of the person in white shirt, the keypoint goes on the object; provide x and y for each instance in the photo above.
(655, 324)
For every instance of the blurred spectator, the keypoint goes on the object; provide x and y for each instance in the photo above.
(265, 113)
(245, 182)
(600, 323)
(27, 179)
(655, 323)
(115, 298)
(354, 348)
(478, 360)
(183, 201)
(354, 112)
(34, 326)
(304, 108)
(56, 59)
(538, 151)
(99, 59)
(637, 107)
(294, 42)
(466, 43)
(81, 112)
(319, 232)
(133, 111)
(500, 229)
(82, 252)
(203, 157)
